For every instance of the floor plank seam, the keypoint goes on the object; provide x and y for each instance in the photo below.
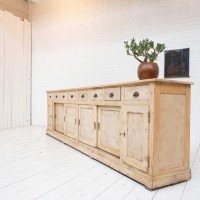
(35, 174)
(108, 187)
(66, 182)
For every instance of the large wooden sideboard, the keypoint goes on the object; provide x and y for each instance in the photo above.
(140, 128)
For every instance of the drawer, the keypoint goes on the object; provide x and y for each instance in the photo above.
(95, 95)
(111, 94)
(72, 96)
(56, 95)
(63, 95)
(83, 95)
(50, 96)
(137, 93)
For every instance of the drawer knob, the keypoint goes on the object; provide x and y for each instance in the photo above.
(63, 96)
(136, 94)
(82, 96)
(50, 97)
(72, 96)
(95, 95)
(56, 96)
(111, 95)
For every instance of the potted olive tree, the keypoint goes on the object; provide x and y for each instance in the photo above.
(146, 52)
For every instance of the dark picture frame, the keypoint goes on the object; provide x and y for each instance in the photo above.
(177, 63)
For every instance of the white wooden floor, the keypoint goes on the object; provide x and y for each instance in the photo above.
(36, 166)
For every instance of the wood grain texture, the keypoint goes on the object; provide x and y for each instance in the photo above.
(147, 139)
(59, 117)
(70, 120)
(87, 119)
(136, 125)
(109, 130)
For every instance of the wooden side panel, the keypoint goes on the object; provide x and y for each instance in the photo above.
(70, 120)
(2, 29)
(50, 123)
(109, 130)
(136, 136)
(59, 117)
(87, 121)
(7, 115)
(27, 72)
(17, 71)
(50, 110)
(15, 61)
(171, 138)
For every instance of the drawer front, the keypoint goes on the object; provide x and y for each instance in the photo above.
(56, 95)
(72, 96)
(50, 96)
(137, 93)
(83, 95)
(95, 95)
(63, 95)
(111, 94)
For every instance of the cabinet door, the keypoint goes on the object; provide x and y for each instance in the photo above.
(135, 139)
(109, 129)
(70, 120)
(87, 124)
(59, 117)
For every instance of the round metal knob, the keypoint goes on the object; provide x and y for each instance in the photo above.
(50, 96)
(95, 95)
(63, 96)
(82, 96)
(111, 95)
(56, 96)
(72, 96)
(136, 94)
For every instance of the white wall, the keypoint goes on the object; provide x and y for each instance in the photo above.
(15, 65)
(80, 42)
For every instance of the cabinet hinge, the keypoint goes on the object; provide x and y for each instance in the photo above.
(79, 122)
(149, 117)
(64, 118)
(75, 121)
(55, 116)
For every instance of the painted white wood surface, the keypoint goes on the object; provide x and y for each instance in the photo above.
(36, 166)
(15, 69)
(1, 65)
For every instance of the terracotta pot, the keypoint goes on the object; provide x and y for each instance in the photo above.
(148, 70)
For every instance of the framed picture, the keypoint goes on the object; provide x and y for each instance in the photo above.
(177, 63)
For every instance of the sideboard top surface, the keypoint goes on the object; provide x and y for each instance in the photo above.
(130, 83)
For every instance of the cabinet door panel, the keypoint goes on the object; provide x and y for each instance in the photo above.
(136, 136)
(59, 117)
(87, 121)
(109, 131)
(70, 120)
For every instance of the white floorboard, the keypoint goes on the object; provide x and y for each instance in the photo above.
(36, 166)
